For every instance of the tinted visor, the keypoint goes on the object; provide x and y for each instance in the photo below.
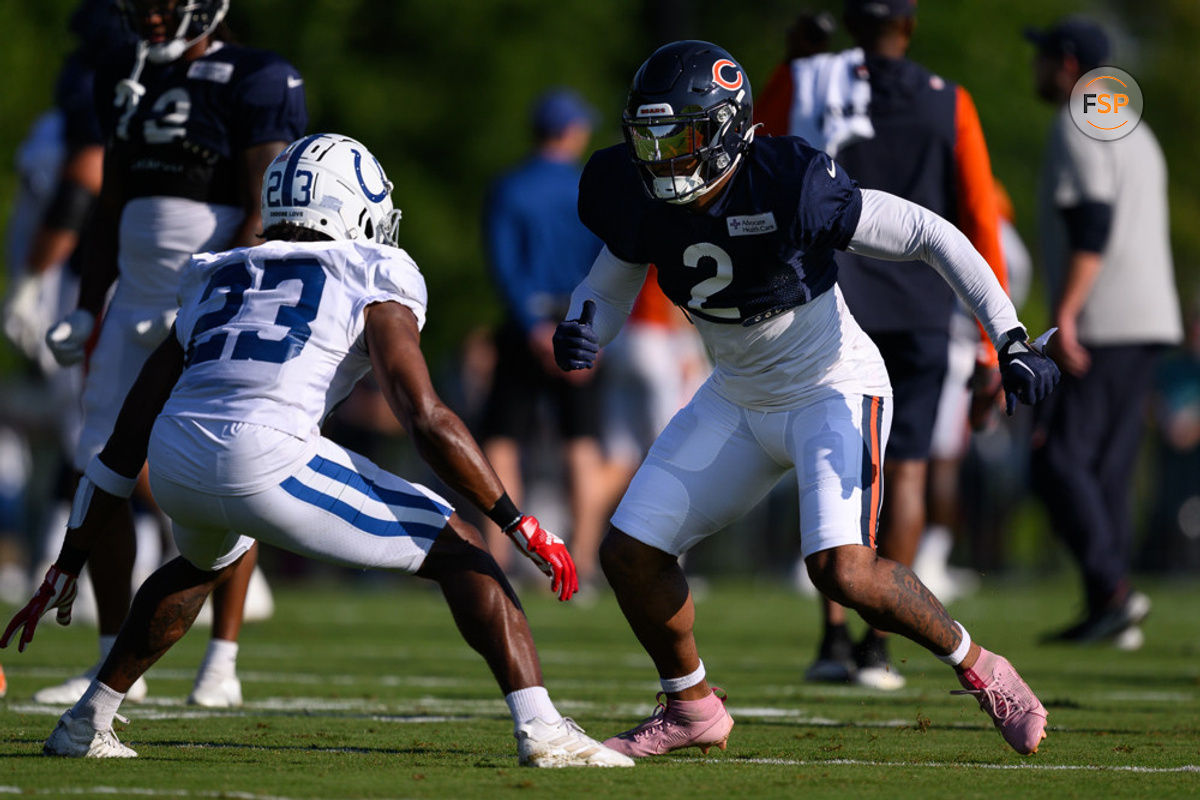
(665, 138)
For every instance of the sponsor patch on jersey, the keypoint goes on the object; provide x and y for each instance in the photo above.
(215, 71)
(752, 224)
(655, 110)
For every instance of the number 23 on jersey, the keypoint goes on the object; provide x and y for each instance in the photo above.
(235, 281)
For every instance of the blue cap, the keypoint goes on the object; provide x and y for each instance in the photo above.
(558, 109)
(880, 9)
(1077, 36)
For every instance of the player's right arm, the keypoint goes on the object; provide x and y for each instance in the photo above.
(53, 243)
(443, 441)
(67, 339)
(895, 229)
(611, 286)
(106, 482)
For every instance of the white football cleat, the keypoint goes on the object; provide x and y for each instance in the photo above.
(216, 691)
(69, 691)
(563, 744)
(74, 737)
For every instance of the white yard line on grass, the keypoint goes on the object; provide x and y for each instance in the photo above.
(793, 692)
(425, 709)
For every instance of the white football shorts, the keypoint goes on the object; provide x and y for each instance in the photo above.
(157, 237)
(336, 506)
(716, 460)
(128, 335)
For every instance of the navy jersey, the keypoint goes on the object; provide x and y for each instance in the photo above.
(183, 137)
(764, 246)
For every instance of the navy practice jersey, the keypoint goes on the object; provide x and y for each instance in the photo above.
(183, 138)
(764, 246)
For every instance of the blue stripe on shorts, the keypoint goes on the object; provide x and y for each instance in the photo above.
(392, 497)
(354, 516)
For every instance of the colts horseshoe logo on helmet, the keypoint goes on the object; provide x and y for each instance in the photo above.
(720, 80)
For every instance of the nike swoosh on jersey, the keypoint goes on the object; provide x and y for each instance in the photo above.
(832, 169)
(293, 81)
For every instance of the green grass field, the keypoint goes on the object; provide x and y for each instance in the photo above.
(369, 693)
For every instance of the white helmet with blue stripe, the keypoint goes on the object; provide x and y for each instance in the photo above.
(333, 185)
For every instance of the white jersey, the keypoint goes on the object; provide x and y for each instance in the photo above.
(273, 333)
(808, 352)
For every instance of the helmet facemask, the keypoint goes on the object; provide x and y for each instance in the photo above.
(195, 19)
(683, 156)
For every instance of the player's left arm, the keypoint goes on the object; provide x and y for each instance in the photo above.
(895, 229)
(443, 441)
(270, 111)
(253, 162)
(107, 481)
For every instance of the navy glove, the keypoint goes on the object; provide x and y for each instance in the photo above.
(575, 343)
(1027, 373)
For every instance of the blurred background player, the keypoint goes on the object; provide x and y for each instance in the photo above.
(537, 251)
(1103, 212)
(192, 120)
(897, 127)
(236, 453)
(810, 33)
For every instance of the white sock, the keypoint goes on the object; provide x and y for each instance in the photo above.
(220, 658)
(960, 652)
(98, 704)
(526, 704)
(672, 685)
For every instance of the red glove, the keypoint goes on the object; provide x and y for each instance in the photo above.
(548, 552)
(56, 591)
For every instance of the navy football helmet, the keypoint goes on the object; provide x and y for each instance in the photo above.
(688, 120)
(184, 22)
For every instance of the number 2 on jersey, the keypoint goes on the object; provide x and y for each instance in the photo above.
(706, 288)
(236, 280)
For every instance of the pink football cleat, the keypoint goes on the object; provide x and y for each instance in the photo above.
(676, 724)
(1008, 700)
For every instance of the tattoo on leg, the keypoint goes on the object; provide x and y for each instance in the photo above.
(910, 609)
(169, 621)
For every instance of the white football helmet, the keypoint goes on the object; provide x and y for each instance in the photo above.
(186, 21)
(331, 184)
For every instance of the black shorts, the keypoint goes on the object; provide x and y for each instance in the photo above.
(521, 389)
(916, 365)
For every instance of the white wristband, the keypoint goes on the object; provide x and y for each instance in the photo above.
(105, 478)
